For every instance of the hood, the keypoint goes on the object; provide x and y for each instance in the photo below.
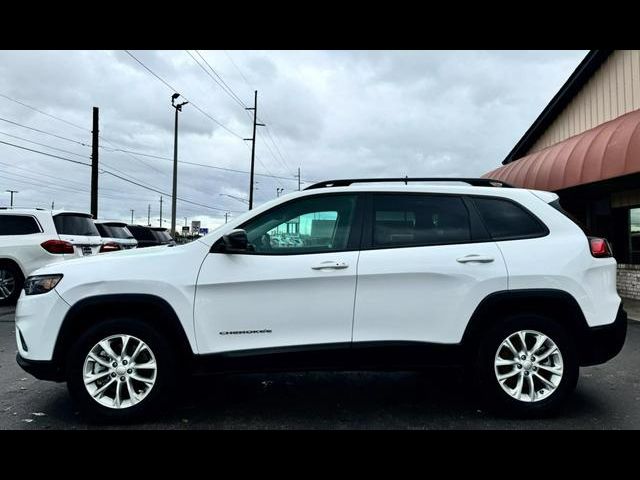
(125, 263)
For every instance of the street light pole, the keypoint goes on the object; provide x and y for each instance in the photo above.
(178, 108)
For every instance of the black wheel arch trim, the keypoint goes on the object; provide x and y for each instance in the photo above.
(121, 304)
(559, 304)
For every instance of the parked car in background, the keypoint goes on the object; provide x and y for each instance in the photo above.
(31, 238)
(115, 236)
(163, 236)
(150, 236)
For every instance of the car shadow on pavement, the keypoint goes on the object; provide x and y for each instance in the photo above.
(438, 398)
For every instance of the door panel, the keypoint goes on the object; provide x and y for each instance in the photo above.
(285, 295)
(423, 293)
(426, 267)
(295, 286)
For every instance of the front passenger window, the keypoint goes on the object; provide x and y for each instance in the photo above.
(308, 225)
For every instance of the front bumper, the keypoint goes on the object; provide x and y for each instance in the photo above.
(41, 369)
(602, 343)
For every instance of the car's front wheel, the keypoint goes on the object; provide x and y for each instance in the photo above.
(11, 283)
(121, 370)
(527, 365)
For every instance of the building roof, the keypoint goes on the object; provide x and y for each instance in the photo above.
(567, 92)
(609, 150)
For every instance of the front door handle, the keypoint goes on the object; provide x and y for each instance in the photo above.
(475, 258)
(332, 264)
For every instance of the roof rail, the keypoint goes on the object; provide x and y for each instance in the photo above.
(475, 182)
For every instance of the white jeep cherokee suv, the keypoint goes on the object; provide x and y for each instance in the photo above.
(31, 238)
(386, 277)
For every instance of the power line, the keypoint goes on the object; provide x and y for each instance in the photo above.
(134, 182)
(40, 111)
(190, 101)
(47, 154)
(43, 145)
(226, 90)
(45, 132)
(221, 79)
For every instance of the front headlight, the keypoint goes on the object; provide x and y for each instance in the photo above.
(38, 284)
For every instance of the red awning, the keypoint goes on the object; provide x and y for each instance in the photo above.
(606, 151)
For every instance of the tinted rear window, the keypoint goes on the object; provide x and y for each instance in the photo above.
(141, 233)
(162, 236)
(18, 225)
(113, 231)
(413, 220)
(505, 220)
(75, 225)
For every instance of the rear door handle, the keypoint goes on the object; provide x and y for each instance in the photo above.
(475, 258)
(332, 264)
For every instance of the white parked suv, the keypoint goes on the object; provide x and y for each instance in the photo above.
(387, 276)
(32, 238)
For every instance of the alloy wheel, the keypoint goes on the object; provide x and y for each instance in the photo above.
(528, 366)
(120, 371)
(7, 283)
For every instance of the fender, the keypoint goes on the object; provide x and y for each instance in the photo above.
(147, 307)
(554, 303)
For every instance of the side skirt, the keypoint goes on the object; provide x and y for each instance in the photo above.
(398, 355)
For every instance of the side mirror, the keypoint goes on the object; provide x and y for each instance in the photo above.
(235, 241)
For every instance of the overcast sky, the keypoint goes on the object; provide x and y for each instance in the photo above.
(333, 114)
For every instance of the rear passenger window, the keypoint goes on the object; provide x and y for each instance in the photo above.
(507, 221)
(414, 220)
(18, 225)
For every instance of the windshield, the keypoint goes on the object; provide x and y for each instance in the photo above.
(113, 231)
(69, 224)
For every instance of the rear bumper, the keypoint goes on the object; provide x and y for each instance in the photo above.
(602, 343)
(41, 369)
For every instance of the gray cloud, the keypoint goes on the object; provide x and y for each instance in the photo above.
(334, 114)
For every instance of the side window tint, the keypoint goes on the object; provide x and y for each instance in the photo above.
(308, 225)
(507, 221)
(413, 220)
(18, 225)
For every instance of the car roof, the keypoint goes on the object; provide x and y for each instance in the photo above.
(112, 223)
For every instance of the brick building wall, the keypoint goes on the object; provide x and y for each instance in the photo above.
(629, 281)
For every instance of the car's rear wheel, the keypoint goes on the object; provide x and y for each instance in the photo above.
(121, 370)
(11, 283)
(527, 365)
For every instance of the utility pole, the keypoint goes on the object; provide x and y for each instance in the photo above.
(253, 145)
(298, 176)
(149, 215)
(94, 164)
(53, 204)
(132, 216)
(178, 108)
(160, 211)
(226, 217)
(12, 192)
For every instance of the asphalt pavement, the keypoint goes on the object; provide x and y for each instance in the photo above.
(607, 397)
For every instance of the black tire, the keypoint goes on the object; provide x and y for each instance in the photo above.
(13, 270)
(500, 401)
(160, 394)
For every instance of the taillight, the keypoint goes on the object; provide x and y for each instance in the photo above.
(109, 247)
(57, 246)
(600, 247)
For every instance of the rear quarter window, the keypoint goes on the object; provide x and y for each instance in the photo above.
(506, 220)
(18, 225)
